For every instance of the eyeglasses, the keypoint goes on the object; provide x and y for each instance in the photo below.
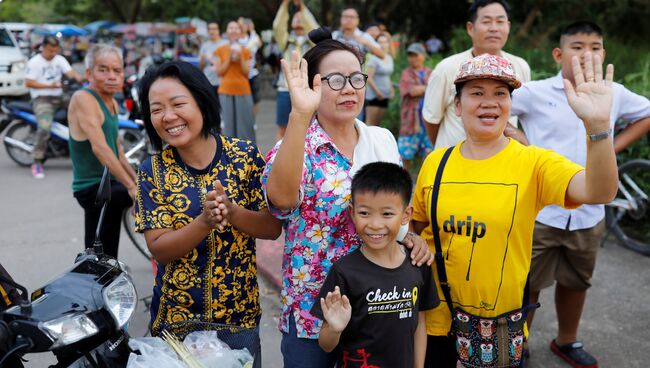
(337, 81)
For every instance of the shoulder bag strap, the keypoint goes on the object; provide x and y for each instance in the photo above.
(439, 257)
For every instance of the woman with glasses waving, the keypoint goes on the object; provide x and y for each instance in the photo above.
(307, 181)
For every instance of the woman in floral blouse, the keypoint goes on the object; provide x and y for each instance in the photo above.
(200, 205)
(308, 178)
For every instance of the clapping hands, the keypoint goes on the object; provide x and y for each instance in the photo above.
(218, 208)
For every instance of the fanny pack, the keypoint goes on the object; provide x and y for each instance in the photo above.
(480, 341)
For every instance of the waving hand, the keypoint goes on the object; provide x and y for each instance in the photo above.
(304, 100)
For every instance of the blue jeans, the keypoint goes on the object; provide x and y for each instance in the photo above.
(304, 353)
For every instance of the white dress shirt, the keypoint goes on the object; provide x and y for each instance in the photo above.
(549, 122)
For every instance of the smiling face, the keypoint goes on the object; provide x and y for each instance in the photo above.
(233, 31)
(343, 105)
(378, 217)
(577, 45)
(107, 74)
(484, 107)
(175, 115)
(489, 32)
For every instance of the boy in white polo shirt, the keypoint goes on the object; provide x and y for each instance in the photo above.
(565, 242)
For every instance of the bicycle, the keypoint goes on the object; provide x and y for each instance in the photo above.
(137, 148)
(628, 216)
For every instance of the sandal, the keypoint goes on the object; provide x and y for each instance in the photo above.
(574, 354)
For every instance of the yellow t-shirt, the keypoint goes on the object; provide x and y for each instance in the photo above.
(486, 213)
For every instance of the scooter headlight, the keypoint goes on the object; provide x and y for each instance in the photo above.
(69, 329)
(120, 299)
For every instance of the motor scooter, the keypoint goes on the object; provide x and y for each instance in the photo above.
(81, 316)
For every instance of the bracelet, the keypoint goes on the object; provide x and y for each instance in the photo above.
(599, 136)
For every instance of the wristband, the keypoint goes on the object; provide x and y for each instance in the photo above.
(599, 136)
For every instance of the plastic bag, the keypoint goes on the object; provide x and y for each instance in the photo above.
(154, 353)
(212, 352)
(205, 346)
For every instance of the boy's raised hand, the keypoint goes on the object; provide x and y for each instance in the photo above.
(336, 310)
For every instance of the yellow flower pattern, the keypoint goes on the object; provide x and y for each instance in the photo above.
(217, 280)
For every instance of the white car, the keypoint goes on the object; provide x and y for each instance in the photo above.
(12, 66)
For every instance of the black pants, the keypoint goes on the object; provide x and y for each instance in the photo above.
(441, 352)
(110, 235)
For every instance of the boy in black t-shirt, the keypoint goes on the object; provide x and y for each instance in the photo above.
(373, 299)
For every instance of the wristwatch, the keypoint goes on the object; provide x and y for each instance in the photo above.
(599, 136)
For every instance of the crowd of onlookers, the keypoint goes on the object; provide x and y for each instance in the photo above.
(504, 214)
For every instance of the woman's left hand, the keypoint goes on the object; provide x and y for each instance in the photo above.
(221, 208)
(420, 252)
(591, 99)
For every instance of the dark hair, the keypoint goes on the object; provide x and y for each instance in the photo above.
(459, 88)
(478, 4)
(348, 7)
(322, 37)
(581, 26)
(198, 85)
(50, 40)
(383, 177)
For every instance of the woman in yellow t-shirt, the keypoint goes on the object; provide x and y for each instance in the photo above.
(491, 190)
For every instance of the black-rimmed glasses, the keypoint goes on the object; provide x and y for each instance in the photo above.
(337, 81)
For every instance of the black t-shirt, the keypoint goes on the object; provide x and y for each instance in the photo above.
(385, 304)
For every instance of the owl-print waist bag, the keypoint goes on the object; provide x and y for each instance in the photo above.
(480, 341)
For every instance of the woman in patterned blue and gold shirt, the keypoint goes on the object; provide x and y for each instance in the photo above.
(199, 204)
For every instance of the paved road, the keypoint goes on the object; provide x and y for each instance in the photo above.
(41, 231)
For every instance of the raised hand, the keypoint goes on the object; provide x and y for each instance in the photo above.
(304, 100)
(336, 310)
(591, 99)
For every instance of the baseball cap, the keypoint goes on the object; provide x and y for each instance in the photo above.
(488, 66)
(416, 48)
(50, 40)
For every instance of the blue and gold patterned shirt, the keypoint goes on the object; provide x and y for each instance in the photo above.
(217, 280)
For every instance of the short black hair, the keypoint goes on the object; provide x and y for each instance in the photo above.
(581, 26)
(478, 4)
(195, 81)
(50, 41)
(383, 177)
(322, 37)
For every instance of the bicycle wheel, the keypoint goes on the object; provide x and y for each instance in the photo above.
(628, 216)
(19, 141)
(128, 221)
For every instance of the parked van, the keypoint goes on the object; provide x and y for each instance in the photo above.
(12, 66)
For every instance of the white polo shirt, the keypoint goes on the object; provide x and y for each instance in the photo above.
(439, 97)
(549, 122)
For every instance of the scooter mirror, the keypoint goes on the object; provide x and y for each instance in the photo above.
(102, 199)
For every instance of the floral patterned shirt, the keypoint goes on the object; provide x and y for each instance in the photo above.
(217, 280)
(319, 230)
